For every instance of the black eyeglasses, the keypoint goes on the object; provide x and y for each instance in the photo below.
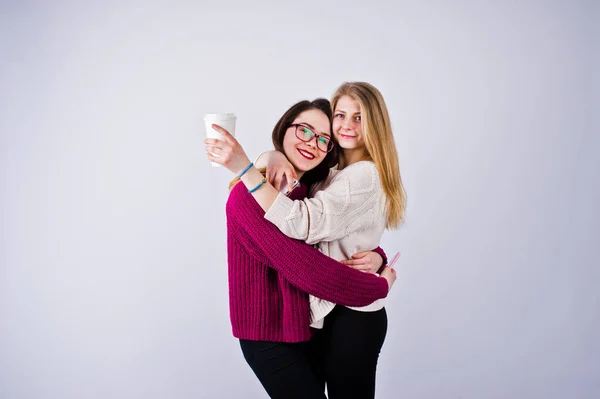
(306, 134)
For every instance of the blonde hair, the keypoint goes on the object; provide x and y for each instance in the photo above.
(380, 145)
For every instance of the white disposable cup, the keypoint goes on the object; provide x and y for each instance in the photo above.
(226, 121)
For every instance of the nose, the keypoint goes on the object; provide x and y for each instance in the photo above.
(347, 124)
(312, 142)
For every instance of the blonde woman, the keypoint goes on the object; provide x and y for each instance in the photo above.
(346, 214)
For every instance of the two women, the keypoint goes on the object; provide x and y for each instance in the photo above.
(271, 275)
(347, 213)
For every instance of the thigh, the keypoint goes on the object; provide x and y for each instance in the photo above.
(283, 369)
(354, 340)
(316, 356)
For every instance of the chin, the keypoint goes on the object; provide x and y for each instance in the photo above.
(306, 168)
(300, 166)
(305, 165)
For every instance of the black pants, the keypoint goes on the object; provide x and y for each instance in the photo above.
(283, 369)
(345, 352)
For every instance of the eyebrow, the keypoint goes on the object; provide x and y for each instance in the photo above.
(313, 128)
(343, 112)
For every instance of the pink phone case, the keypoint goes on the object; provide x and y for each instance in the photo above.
(394, 260)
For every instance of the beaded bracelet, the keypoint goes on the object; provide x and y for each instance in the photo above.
(245, 170)
(257, 187)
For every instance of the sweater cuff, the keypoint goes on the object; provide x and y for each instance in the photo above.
(380, 251)
(280, 210)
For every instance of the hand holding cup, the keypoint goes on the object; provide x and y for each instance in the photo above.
(227, 152)
(226, 121)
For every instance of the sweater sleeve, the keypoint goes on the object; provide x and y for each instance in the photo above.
(348, 204)
(381, 252)
(299, 263)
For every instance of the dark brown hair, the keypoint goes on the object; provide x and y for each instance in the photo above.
(321, 171)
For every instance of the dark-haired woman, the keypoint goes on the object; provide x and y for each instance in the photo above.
(271, 275)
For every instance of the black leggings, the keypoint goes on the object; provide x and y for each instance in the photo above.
(345, 352)
(283, 369)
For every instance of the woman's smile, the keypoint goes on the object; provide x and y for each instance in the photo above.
(306, 154)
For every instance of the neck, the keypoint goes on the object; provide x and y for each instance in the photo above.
(350, 156)
(299, 174)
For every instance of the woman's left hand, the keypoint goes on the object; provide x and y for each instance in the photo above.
(368, 262)
(227, 152)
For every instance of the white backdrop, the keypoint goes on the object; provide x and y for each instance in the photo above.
(112, 240)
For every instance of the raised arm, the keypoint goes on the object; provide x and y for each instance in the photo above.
(278, 167)
(229, 153)
(302, 265)
(348, 203)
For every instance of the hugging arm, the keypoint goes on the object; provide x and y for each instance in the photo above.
(367, 261)
(279, 169)
(350, 202)
(229, 153)
(303, 266)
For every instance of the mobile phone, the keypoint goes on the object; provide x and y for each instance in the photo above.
(284, 188)
(394, 260)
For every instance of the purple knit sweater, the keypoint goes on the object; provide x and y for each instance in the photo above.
(271, 275)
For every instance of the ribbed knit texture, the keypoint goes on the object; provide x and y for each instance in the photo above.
(271, 275)
(346, 215)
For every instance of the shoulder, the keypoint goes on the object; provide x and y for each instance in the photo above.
(239, 199)
(237, 192)
(362, 175)
(361, 167)
(322, 185)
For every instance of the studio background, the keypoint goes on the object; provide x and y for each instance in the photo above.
(113, 277)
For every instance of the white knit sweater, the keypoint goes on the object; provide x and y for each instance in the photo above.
(346, 215)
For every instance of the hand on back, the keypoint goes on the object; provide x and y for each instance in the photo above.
(368, 262)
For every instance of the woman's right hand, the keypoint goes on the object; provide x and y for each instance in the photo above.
(389, 273)
(227, 152)
(279, 167)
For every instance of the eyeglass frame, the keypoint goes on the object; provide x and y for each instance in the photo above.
(329, 146)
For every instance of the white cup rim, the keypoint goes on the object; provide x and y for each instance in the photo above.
(220, 116)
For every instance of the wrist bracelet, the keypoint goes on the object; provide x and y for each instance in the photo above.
(258, 186)
(245, 170)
